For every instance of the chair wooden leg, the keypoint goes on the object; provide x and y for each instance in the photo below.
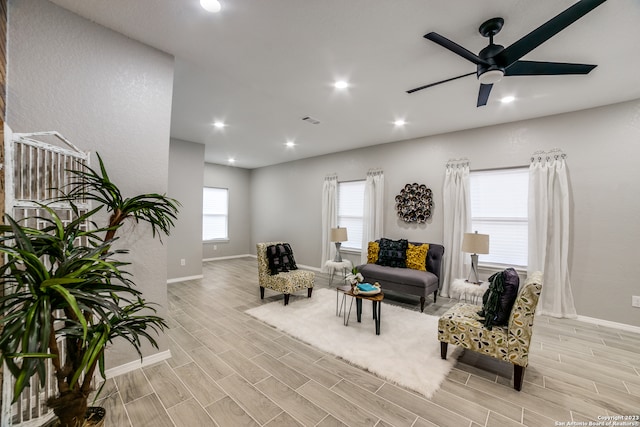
(422, 304)
(261, 292)
(286, 299)
(443, 349)
(518, 375)
(309, 290)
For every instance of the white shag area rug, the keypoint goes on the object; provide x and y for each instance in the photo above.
(407, 351)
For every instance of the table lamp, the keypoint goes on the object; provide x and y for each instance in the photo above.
(338, 235)
(475, 244)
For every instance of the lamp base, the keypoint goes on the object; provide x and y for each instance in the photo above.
(338, 257)
(473, 273)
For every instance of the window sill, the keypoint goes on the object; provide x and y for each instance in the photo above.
(216, 241)
(499, 267)
(350, 251)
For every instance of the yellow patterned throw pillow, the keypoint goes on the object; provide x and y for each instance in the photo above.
(372, 252)
(417, 256)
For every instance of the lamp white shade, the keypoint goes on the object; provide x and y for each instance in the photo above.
(475, 243)
(339, 234)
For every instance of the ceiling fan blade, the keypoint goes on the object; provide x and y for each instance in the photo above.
(483, 94)
(455, 48)
(547, 30)
(535, 68)
(440, 82)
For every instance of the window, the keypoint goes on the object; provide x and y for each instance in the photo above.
(351, 212)
(215, 213)
(499, 209)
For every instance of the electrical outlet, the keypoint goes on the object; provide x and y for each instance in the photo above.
(215, 247)
(183, 262)
(635, 301)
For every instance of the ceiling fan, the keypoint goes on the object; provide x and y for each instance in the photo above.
(495, 61)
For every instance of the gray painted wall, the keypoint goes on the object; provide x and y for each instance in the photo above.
(240, 210)
(186, 168)
(105, 93)
(602, 148)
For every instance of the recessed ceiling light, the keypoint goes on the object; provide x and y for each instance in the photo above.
(218, 124)
(341, 84)
(508, 99)
(232, 160)
(290, 144)
(212, 6)
(399, 122)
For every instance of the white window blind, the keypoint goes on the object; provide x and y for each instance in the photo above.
(351, 212)
(215, 213)
(499, 209)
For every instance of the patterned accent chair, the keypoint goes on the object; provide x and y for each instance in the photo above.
(285, 282)
(462, 326)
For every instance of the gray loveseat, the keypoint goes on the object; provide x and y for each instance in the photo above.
(407, 280)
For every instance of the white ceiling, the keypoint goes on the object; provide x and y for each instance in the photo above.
(263, 65)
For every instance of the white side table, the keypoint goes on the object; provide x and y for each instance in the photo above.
(468, 292)
(344, 265)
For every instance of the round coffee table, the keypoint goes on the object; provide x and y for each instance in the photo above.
(468, 291)
(344, 266)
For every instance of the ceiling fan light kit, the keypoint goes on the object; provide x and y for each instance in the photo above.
(495, 61)
(490, 77)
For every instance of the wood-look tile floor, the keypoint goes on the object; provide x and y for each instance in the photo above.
(229, 369)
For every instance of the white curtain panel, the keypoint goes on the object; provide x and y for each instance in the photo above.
(457, 221)
(373, 219)
(549, 232)
(329, 217)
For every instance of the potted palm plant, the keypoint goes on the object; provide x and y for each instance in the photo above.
(64, 282)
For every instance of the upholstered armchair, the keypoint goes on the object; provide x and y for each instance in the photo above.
(284, 282)
(462, 326)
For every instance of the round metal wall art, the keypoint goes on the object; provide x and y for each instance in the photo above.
(414, 203)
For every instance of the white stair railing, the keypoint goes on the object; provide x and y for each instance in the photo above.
(36, 165)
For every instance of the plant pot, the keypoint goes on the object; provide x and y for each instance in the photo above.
(94, 417)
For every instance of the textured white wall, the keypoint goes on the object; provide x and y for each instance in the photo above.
(603, 149)
(105, 93)
(186, 169)
(236, 180)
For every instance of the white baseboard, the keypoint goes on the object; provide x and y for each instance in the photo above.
(132, 366)
(610, 324)
(308, 267)
(184, 279)
(227, 257)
